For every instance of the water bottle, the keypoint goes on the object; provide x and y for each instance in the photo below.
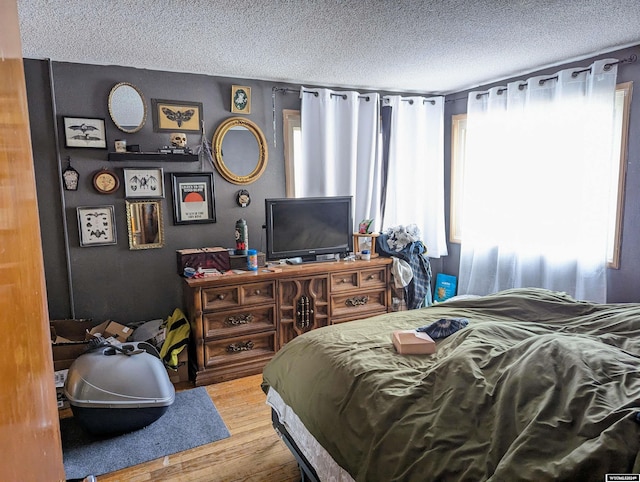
(242, 237)
(252, 260)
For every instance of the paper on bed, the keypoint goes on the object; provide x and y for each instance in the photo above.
(411, 342)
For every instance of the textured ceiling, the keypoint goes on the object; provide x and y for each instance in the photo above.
(427, 46)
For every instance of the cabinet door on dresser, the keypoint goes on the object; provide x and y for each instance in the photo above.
(359, 293)
(303, 306)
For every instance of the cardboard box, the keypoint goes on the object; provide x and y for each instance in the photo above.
(68, 341)
(182, 373)
(110, 330)
(205, 258)
(411, 342)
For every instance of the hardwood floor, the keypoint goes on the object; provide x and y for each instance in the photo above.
(254, 452)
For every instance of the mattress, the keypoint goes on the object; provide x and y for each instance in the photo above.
(326, 468)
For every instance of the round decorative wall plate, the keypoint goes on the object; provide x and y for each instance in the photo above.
(243, 198)
(106, 181)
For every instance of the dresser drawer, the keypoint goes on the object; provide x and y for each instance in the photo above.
(247, 319)
(373, 278)
(222, 297)
(343, 281)
(256, 293)
(364, 302)
(364, 278)
(239, 349)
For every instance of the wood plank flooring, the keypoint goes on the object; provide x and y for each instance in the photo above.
(252, 453)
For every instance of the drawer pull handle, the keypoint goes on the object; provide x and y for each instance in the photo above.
(357, 301)
(240, 346)
(343, 280)
(304, 313)
(221, 296)
(371, 277)
(258, 292)
(239, 320)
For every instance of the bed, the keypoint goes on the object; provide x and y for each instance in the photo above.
(538, 386)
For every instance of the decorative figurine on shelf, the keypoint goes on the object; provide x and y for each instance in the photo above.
(242, 237)
(121, 145)
(179, 139)
(178, 144)
(365, 226)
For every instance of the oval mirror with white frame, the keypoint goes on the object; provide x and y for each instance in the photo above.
(127, 107)
(240, 150)
(145, 225)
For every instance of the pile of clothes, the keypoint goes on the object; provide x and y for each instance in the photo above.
(411, 268)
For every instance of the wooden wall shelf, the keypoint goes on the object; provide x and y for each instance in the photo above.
(151, 156)
(356, 242)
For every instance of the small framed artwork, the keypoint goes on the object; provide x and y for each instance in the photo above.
(240, 99)
(96, 225)
(173, 115)
(193, 198)
(84, 132)
(144, 182)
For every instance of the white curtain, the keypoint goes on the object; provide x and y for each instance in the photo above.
(340, 149)
(415, 182)
(536, 184)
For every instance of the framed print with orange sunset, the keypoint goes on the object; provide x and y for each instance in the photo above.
(193, 198)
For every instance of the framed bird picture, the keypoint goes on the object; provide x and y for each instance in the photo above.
(173, 115)
(84, 132)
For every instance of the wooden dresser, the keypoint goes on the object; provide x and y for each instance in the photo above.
(239, 321)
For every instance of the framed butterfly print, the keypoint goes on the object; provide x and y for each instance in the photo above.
(96, 225)
(176, 116)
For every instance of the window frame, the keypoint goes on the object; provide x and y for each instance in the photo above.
(290, 124)
(458, 137)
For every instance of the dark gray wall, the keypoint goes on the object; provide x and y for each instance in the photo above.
(623, 283)
(116, 283)
(113, 282)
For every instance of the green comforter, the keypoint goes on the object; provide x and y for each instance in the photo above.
(537, 387)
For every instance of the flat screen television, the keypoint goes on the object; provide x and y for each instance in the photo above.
(313, 228)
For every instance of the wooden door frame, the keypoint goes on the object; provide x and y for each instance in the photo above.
(30, 445)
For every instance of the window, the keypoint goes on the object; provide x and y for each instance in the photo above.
(616, 202)
(292, 145)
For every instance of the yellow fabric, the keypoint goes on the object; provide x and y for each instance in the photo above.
(176, 339)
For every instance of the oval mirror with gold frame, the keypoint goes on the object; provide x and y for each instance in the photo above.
(240, 151)
(127, 107)
(145, 225)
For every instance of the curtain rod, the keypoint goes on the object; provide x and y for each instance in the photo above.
(632, 58)
(344, 96)
(574, 74)
(286, 90)
(424, 101)
(315, 93)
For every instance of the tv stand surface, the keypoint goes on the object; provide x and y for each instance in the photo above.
(239, 321)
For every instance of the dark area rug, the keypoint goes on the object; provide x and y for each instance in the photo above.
(191, 420)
